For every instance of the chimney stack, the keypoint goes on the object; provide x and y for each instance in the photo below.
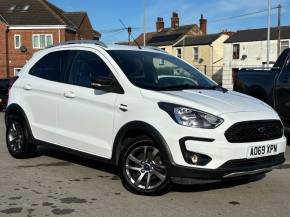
(203, 25)
(159, 24)
(174, 20)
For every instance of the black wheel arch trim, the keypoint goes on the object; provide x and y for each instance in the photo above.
(148, 130)
(15, 108)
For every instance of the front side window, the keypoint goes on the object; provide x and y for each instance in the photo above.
(52, 66)
(236, 51)
(40, 41)
(87, 67)
(17, 41)
(143, 69)
(195, 54)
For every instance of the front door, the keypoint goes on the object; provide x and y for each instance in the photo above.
(283, 95)
(86, 116)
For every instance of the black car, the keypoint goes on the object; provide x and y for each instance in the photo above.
(4, 86)
(269, 85)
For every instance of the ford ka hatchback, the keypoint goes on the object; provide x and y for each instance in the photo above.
(153, 115)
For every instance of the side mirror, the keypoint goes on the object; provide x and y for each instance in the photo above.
(106, 84)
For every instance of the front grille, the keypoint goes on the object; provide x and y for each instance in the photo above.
(256, 163)
(254, 131)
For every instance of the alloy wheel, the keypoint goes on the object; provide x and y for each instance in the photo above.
(15, 137)
(145, 168)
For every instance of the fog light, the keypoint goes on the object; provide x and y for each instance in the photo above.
(194, 159)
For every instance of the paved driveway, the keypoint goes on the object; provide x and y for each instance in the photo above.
(58, 184)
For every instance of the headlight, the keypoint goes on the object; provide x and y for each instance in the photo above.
(191, 117)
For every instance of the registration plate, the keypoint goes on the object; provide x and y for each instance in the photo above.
(262, 150)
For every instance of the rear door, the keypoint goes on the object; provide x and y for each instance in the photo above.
(42, 90)
(283, 95)
(85, 118)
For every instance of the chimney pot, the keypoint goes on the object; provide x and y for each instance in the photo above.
(203, 24)
(174, 20)
(159, 24)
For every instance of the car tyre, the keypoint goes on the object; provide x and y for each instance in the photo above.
(142, 169)
(18, 139)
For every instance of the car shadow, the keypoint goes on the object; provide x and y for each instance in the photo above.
(108, 168)
(75, 159)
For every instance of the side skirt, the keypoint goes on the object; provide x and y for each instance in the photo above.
(74, 152)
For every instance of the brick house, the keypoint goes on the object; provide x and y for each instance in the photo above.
(27, 26)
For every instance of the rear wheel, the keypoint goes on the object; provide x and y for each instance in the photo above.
(18, 139)
(142, 168)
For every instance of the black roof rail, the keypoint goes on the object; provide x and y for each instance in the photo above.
(96, 42)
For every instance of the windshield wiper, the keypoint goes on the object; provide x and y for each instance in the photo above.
(218, 87)
(180, 87)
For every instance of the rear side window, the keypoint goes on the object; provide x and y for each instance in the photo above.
(87, 67)
(52, 66)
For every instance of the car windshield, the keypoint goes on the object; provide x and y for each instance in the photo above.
(158, 71)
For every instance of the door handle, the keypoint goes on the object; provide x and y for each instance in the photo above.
(69, 94)
(27, 87)
(123, 107)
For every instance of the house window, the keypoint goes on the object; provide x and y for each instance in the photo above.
(284, 45)
(40, 41)
(236, 51)
(17, 41)
(178, 53)
(195, 54)
(16, 71)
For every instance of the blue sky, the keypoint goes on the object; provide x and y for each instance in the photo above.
(105, 14)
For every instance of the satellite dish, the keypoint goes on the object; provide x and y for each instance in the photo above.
(23, 49)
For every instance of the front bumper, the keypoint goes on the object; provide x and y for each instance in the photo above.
(231, 169)
(227, 160)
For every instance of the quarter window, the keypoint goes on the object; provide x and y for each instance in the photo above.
(236, 51)
(40, 41)
(17, 41)
(52, 66)
(87, 67)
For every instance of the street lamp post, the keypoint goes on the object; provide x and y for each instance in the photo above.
(144, 24)
(268, 33)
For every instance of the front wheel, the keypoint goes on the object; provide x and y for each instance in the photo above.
(142, 168)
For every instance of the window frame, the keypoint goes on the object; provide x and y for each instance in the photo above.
(45, 36)
(281, 47)
(236, 56)
(195, 54)
(17, 36)
(15, 70)
(176, 53)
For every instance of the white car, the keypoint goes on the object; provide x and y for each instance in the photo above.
(107, 103)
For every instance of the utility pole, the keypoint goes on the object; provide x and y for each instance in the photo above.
(144, 24)
(129, 34)
(279, 31)
(268, 33)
